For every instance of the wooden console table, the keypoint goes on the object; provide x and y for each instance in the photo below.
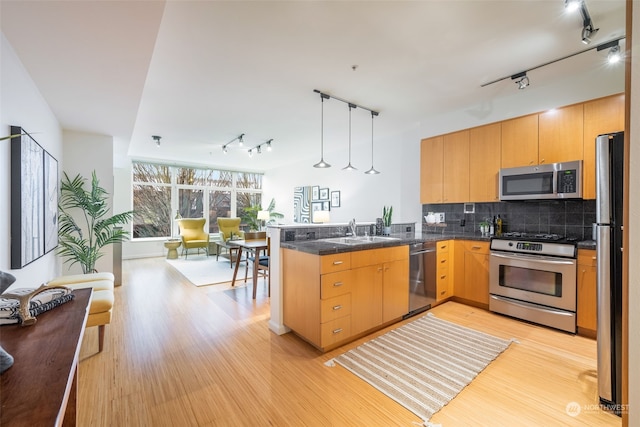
(41, 387)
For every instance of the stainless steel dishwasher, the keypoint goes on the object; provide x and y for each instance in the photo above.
(422, 277)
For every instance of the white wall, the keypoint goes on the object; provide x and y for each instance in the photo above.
(83, 154)
(634, 227)
(21, 104)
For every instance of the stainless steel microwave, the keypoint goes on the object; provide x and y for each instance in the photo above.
(550, 181)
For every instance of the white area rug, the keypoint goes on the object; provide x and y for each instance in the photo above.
(424, 364)
(202, 270)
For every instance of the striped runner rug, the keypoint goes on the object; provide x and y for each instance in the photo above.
(424, 364)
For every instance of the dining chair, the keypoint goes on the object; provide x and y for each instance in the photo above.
(263, 261)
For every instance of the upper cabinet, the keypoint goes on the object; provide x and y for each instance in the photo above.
(463, 166)
(604, 115)
(484, 163)
(455, 187)
(520, 142)
(560, 134)
(431, 167)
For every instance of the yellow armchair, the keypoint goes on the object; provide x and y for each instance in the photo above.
(193, 235)
(228, 226)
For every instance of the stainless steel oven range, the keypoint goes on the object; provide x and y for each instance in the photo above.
(533, 277)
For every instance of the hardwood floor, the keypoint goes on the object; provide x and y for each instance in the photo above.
(180, 355)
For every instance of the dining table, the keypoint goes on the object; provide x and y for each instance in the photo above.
(254, 247)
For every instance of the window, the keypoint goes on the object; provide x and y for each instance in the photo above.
(160, 191)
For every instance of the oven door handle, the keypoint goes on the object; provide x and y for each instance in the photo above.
(529, 306)
(533, 258)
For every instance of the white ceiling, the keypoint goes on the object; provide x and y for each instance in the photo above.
(199, 73)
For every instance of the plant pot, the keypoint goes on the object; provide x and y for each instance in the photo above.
(386, 231)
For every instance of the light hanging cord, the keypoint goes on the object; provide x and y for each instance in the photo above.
(372, 171)
(349, 167)
(322, 163)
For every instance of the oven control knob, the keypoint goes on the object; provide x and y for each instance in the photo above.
(510, 243)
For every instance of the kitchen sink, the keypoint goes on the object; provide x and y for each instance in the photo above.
(358, 240)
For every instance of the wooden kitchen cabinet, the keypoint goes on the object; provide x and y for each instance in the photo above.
(484, 162)
(587, 293)
(604, 115)
(472, 273)
(444, 282)
(561, 134)
(329, 300)
(455, 156)
(431, 170)
(519, 139)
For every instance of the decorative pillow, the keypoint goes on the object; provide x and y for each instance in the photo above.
(40, 303)
(6, 280)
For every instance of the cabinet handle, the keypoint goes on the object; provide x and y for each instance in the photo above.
(336, 331)
(337, 307)
(337, 262)
(443, 292)
(531, 162)
(593, 258)
(443, 261)
(443, 277)
(476, 247)
(379, 269)
(336, 284)
(542, 161)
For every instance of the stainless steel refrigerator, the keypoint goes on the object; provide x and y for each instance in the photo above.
(609, 187)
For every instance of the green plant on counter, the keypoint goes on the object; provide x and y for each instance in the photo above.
(91, 206)
(386, 215)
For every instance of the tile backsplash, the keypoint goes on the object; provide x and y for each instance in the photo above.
(565, 217)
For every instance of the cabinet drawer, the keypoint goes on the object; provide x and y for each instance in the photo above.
(336, 262)
(587, 257)
(334, 284)
(474, 246)
(442, 261)
(443, 246)
(378, 256)
(334, 308)
(442, 286)
(335, 330)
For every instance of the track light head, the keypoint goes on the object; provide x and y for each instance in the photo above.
(521, 80)
(588, 32)
(240, 141)
(572, 5)
(269, 144)
(156, 138)
(614, 55)
(250, 152)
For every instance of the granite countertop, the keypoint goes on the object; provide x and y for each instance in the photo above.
(327, 247)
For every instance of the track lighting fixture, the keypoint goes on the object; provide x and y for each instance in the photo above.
(250, 152)
(156, 138)
(322, 163)
(587, 24)
(523, 81)
(349, 167)
(372, 171)
(614, 54)
(225, 147)
(268, 144)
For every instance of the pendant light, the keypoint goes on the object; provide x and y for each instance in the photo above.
(322, 163)
(372, 171)
(349, 167)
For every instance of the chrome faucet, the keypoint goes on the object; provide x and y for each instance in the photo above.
(352, 226)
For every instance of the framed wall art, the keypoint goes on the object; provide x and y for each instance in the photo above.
(301, 204)
(27, 199)
(315, 192)
(335, 199)
(324, 194)
(50, 202)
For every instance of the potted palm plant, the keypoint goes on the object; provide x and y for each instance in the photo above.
(84, 227)
(250, 215)
(386, 219)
